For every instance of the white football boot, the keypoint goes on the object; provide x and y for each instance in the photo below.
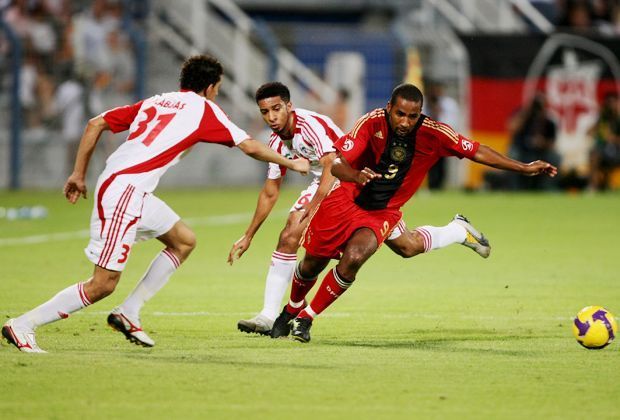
(474, 240)
(260, 324)
(21, 338)
(130, 328)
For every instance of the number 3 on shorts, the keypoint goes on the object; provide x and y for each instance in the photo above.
(125, 254)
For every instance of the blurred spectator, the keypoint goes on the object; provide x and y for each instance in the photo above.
(71, 107)
(121, 71)
(605, 155)
(588, 15)
(576, 15)
(89, 35)
(533, 134)
(444, 108)
(36, 89)
(76, 62)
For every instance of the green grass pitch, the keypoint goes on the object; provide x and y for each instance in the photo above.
(442, 335)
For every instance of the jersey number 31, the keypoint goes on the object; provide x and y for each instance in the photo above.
(162, 121)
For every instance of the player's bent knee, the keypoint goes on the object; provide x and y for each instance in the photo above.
(288, 243)
(186, 244)
(354, 259)
(189, 241)
(410, 251)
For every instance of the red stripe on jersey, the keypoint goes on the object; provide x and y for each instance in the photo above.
(279, 150)
(155, 163)
(274, 137)
(120, 118)
(333, 136)
(315, 142)
(309, 129)
(215, 131)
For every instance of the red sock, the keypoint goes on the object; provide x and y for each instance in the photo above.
(299, 290)
(331, 288)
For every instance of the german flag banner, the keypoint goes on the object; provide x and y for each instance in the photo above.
(573, 72)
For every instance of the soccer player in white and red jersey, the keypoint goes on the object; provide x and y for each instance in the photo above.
(161, 129)
(381, 164)
(296, 133)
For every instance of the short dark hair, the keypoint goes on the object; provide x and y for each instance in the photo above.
(199, 72)
(408, 92)
(272, 89)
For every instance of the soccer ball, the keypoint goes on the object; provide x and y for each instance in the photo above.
(595, 327)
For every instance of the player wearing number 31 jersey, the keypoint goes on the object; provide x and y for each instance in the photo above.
(161, 129)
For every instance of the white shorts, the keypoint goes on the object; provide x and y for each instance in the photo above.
(121, 218)
(306, 196)
(398, 230)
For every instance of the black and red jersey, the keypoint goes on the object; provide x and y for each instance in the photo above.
(403, 162)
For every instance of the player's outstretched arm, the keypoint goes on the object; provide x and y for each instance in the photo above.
(259, 151)
(266, 200)
(345, 172)
(490, 157)
(76, 184)
(326, 183)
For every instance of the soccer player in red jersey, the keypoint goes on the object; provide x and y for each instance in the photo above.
(161, 128)
(381, 163)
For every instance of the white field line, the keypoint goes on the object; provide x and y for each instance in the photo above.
(345, 315)
(227, 219)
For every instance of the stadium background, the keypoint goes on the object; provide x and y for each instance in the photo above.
(443, 335)
(340, 58)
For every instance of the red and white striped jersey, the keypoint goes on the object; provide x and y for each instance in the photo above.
(314, 135)
(161, 128)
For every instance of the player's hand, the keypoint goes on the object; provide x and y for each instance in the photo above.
(301, 165)
(366, 175)
(539, 167)
(238, 249)
(74, 187)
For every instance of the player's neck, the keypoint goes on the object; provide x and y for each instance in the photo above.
(288, 132)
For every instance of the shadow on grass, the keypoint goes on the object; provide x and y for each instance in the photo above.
(207, 359)
(445, 340)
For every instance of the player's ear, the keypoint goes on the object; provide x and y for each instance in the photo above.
(289, 106)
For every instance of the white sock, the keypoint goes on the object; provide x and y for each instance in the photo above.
(60, 306)
(156, 277)
(440, 237)
(278, 278)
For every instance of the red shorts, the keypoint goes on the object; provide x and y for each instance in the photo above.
(338, 217)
